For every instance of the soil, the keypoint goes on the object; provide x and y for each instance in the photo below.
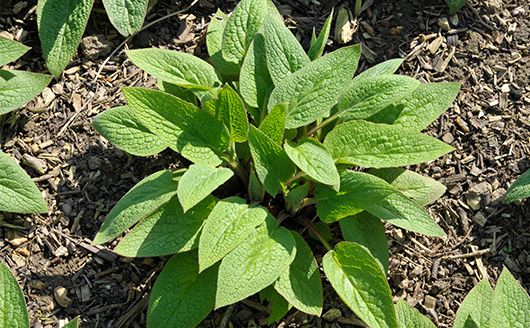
(485, 47)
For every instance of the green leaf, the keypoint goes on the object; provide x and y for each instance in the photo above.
(122, 129)
(126, 16)
(167, 231)
(214, 38)
(387, 67)
(455, 5)
(231, 111)
(10, 50)
(255, 264)
(12, 304)
(476, 308)
(140, 202)
(61, 24)
(421, 107)
(367, 230)
(410, 317)
(403, 212)
(367, 96)
(318, 44)
(198, 182)
(74, 323)
(17, 88)
(358, 279)
(520, 189)
(197, 135)
(179, 92)
(18, 192)
(272, 164)
(379, 145)
(178, 68)
(229, 224)
(256, 191)
(423, 190)
(284, 53)
(255, 83)
(181, 296)
(511, 303)
(301, 285)
(295, 196)
(241, 26)
(278, 306)
(313, 90)
(314, 160)
(274, 123)
(358, 191)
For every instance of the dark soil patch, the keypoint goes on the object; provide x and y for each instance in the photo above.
(485, 48)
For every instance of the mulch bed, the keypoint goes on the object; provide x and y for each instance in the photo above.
(485, 47)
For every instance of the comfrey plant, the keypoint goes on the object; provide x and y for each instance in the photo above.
(506, 306)
(520, 189)
(18, 193)
(295, 129)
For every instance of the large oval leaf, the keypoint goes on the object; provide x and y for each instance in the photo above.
(214, 39)
(12, 304)
(511, 303)
(10, 50)
(61, 24)
(127, 16)
(358, 279)
(122, 129)
(255, 264)
(475, 310)
(181, 296)
(18, 193)
(140, 202)
(17, 88)
(410, 317)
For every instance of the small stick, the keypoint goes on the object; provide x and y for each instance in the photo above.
(472, 254)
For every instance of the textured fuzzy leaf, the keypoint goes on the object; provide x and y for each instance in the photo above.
(403, 212)
(422, 107)
(408, 316)
(241, 26)
(127, 16)
(167, 231)
(17, 88)
(272, 164)
(122, 129)
(423, 190)
(284, 53)
(179, 92)
(12, 303)
(510, 304)
(476, 308)
(319, 43)
(139, 203)
(18, 192)
(301, 285)
(314, 160)
(61, 24)
(274, 123)
(520, 189)
(231, 111)
(181, 296)
(197, 135)
(175, 67)
(367, 96)
(10, 50)
(214, 39)
(387, 67)
(313, 90)
(198, 182)
(255, 264)
(358, 279)
(367, 230)
(229, 224)
(295, 196)
(379, 145)
(358, 191)
(255, 83)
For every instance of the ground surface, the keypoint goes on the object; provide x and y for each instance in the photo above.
(485, 47)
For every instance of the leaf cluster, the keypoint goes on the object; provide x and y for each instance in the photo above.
(18, 193)
(306, 141)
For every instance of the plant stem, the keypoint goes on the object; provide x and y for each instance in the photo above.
(308, 202)
(311, 226)
(238, 170)
(295, 177)
(321, 125)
